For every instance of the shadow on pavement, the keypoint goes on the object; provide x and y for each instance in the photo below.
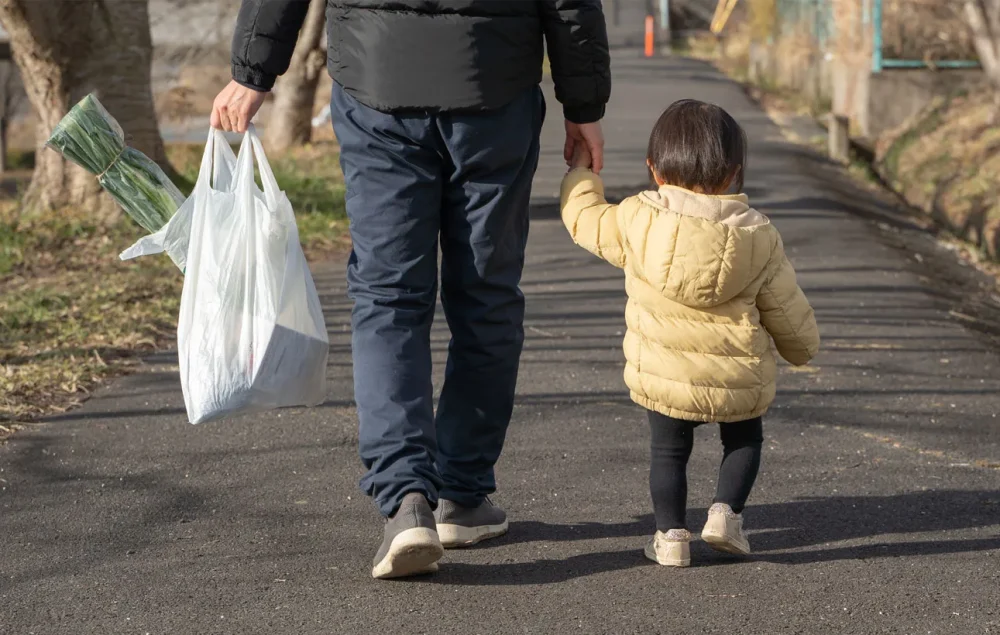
(775, 531)
(540, 571)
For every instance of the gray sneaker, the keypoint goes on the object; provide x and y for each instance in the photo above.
(465, 526)
(411, 545)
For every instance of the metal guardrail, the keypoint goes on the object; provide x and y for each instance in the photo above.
(818, 15)
(873, 11)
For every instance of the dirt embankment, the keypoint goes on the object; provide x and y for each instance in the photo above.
(946, 163)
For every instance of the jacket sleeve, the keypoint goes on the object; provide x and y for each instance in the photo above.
(576, 39)
(264, 40)
(592, 221)
(787, 316)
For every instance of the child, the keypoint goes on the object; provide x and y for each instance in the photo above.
(707, 282)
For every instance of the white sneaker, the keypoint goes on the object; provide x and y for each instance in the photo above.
(671, 549)
(724, 531)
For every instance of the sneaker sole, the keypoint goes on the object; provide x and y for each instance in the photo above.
(458, 536)
(412, 552)
(721, 542)
(650, 553)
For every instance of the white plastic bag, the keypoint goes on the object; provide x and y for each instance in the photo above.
(172, 238)
(251, 334)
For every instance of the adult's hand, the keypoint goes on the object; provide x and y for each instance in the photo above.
(591, 137)
(235, 107)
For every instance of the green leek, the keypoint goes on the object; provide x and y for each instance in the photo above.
(91, 138)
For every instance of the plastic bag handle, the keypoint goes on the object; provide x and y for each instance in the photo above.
(208, 173)
(252, 149)
(271, 189)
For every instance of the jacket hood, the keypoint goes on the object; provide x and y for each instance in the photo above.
(702, 250)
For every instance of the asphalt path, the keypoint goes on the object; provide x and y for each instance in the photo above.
(877, 508)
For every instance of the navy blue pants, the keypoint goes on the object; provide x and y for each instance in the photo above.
(416, 181)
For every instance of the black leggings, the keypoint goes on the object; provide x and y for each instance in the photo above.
(672, 440)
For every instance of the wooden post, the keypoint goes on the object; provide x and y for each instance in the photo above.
(838, 138)
(650, 25)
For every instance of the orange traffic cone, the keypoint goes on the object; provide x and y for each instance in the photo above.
(649, 35)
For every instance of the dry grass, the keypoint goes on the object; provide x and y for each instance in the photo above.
(732, 55)
(72, 315)
(774, 55)
(797, 55)
(702, 46)
(762, 19)
(925, 30)
(912, 29)
(851, 40)
(946, 162)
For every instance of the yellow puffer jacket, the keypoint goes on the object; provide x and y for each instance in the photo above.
(707, 281)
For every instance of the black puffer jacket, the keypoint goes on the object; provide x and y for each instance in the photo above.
(438, 55)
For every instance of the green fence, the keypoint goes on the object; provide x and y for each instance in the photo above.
(875, 12)
(932, 27)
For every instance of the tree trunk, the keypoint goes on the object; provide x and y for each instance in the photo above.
(983, 18)
(66, 49)
(295, 92)
(4, 125)
(6, 99)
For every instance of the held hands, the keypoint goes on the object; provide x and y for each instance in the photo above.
(235, 107)
(584, 141)
(581, 158)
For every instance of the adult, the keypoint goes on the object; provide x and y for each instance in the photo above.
(437, 108)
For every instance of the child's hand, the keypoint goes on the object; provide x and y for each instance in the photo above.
(581, 157)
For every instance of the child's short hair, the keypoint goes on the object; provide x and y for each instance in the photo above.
(698, 145)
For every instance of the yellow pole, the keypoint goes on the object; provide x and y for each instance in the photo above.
(720, 21)
(716, 14)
